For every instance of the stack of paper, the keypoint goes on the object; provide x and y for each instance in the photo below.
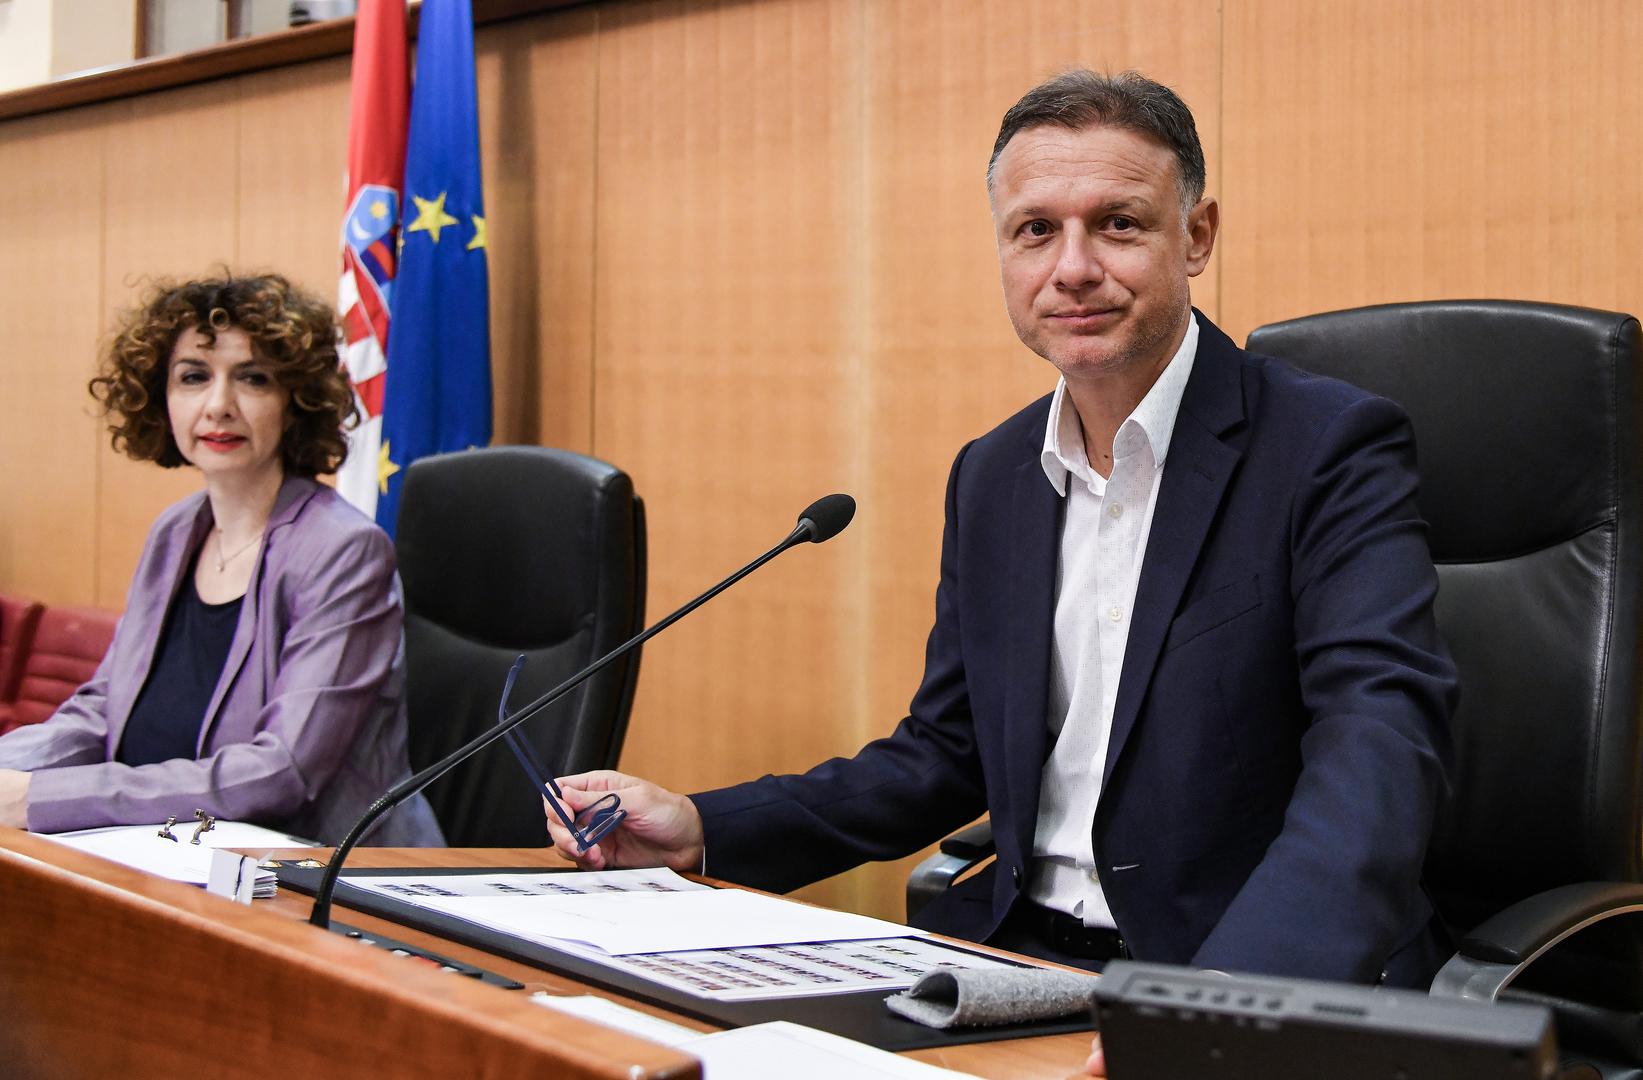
(142, 847)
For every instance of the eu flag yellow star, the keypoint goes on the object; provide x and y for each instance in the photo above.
(479, 239)
(385, 469)
(430, 216)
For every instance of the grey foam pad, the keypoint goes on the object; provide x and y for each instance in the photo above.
(958, 997)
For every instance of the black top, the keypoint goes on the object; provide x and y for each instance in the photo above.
(166, 719)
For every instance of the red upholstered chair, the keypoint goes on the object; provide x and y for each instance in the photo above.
(17, 621)
(68, 645)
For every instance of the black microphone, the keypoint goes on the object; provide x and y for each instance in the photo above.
(821, 520)
(827, 517)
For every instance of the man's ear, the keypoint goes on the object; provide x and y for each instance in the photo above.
(1203, 223)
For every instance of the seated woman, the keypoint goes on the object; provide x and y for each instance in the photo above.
(256, 673)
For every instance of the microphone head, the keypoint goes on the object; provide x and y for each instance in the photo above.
(827, 516)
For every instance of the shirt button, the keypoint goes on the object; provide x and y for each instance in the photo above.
(1116, 510)
(1095, 876)
(1114, 614)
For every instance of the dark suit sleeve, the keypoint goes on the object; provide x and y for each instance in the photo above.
(897, 795)
(1338, 890)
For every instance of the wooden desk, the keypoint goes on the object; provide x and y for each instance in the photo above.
(1051, 1057)
(100, 965)
(108, 971)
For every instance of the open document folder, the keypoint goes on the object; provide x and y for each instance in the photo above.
(725, 945)
(180, 859)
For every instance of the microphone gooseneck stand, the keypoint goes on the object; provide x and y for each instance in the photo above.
(821, 520)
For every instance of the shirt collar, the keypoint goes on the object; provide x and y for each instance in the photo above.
(1063, 451)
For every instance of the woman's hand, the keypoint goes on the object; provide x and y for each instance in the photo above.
(14, 798)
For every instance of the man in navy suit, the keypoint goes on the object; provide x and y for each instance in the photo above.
(1184, 652)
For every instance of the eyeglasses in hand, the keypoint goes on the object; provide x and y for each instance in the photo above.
(588, 825)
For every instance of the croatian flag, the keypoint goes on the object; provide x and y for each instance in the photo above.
(377, 123)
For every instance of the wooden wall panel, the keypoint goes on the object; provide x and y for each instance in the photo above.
(1394, 151)
(727, 349)
(50, 305)
(537, 88)
(292, 128)
(172, 207)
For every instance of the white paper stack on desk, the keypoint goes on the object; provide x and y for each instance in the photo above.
(180, 859)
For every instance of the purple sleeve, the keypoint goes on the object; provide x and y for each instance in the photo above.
(339, 647)
(76, 734)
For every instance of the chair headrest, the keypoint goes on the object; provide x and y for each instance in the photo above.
(1517, 403)
(503, 544)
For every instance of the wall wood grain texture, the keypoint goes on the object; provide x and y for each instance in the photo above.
(51, 225)
(1380, 152)
(171, 201)
(741, 248)
(728, 322)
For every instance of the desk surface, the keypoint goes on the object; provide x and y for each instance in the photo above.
(1053, 1057)
(109, 971)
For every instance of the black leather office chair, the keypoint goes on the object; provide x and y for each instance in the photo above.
(1527, 422)
(503, 551)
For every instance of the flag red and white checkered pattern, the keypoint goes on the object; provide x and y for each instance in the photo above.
(377, 123)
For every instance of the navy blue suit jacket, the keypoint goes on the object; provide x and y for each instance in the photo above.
(1280, 740)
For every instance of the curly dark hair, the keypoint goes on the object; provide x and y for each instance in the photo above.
(291, 332)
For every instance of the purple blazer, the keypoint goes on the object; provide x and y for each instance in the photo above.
(306, 726)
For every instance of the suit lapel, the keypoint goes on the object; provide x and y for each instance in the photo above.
(1197, 469)
(1035, 516)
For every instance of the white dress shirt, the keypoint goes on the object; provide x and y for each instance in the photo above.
(1103, 541)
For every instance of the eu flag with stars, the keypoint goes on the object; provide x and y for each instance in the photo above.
(438, 392)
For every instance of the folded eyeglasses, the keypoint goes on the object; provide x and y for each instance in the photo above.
(588, 825)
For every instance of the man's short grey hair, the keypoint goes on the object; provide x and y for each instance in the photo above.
(1080, 98)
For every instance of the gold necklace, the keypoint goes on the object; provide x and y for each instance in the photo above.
(224, 560)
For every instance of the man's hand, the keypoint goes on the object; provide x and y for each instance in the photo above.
(1097, 1064)
(14, 798)
(661, 828)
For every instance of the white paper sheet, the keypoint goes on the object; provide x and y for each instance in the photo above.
(620, 1017)
(751, 1053)
(748, 1053)
(141, 846)
(414, 888)
(238, 877)
(622, 924)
